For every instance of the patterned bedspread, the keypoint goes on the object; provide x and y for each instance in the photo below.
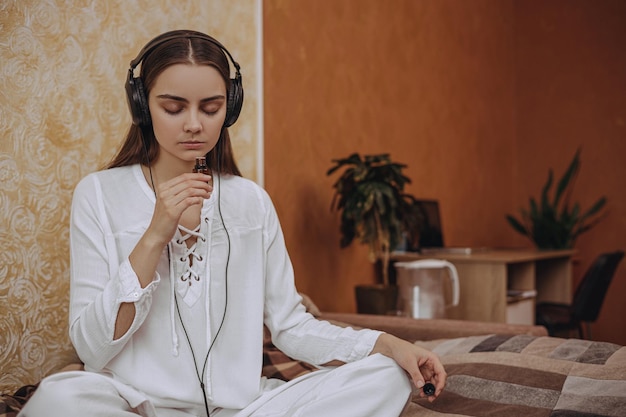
(493, 375)
(503, 375)
(509, 376)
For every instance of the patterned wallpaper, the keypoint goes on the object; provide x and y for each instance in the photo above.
(62, 115)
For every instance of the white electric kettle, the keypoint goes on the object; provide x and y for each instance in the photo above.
(421, 288)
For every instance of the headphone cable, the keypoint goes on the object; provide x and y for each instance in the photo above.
(219, 209)
(206, 358)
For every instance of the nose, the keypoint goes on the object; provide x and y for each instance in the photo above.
(192, 124)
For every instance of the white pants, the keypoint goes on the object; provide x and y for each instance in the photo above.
(372, 387)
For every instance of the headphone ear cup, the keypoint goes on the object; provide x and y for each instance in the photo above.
(234, 101)
(137, 101)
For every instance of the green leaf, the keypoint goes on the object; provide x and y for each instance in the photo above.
(595, 208)
(567, 177)
(554, 223)
(369, 194)
(516, 224)
(544, 192)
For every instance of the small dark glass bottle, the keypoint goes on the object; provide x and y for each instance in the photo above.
(201, 165)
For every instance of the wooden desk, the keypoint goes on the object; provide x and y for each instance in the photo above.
(485, 276)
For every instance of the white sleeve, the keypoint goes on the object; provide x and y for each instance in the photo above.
(99, 283)
(294, 331)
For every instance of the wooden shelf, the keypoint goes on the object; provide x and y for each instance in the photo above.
(485, 277)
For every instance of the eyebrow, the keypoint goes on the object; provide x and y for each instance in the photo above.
(184, 100)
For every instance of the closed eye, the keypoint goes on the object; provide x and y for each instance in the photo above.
(211, 110)
(172, 110)
(174, 105)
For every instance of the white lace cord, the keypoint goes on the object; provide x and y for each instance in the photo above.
(190, 251)
(189, 274)
(207, 312)
(172, 303)
(186, 276)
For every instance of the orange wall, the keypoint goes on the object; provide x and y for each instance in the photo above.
(571, 76)
(448, 87)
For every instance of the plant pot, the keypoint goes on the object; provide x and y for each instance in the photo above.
(376, 299)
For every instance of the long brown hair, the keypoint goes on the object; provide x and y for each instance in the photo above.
(140, 145)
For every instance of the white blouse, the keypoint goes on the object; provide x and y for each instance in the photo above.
(240, 278)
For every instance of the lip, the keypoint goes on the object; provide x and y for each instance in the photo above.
(192, 144)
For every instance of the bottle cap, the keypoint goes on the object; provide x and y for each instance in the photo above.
(429, 389)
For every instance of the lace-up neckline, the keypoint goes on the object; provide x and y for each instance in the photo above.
(188, 263)
(190, 252)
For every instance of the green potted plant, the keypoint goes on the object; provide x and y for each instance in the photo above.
(554, 222)
(377, 212)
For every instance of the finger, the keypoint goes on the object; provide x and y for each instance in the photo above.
(440, 383)
(186, 181)
(174, 194)
(435, 375)
(417, 378)
(171, 204)
(198, 176)
(178, 203)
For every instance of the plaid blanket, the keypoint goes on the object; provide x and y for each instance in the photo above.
(512, 375)
(492, 375)
(503, 375)
(10, 405)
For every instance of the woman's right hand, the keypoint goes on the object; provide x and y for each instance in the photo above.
(173, 198)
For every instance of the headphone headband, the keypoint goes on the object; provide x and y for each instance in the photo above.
(135, 90)
(161, 39)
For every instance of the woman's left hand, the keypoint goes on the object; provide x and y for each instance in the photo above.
(421, 364)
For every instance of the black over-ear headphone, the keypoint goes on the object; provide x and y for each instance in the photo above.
(136, 93)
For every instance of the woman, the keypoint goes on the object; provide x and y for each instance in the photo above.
(175, 272)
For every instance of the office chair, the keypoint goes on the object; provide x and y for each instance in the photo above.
(587, 301)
